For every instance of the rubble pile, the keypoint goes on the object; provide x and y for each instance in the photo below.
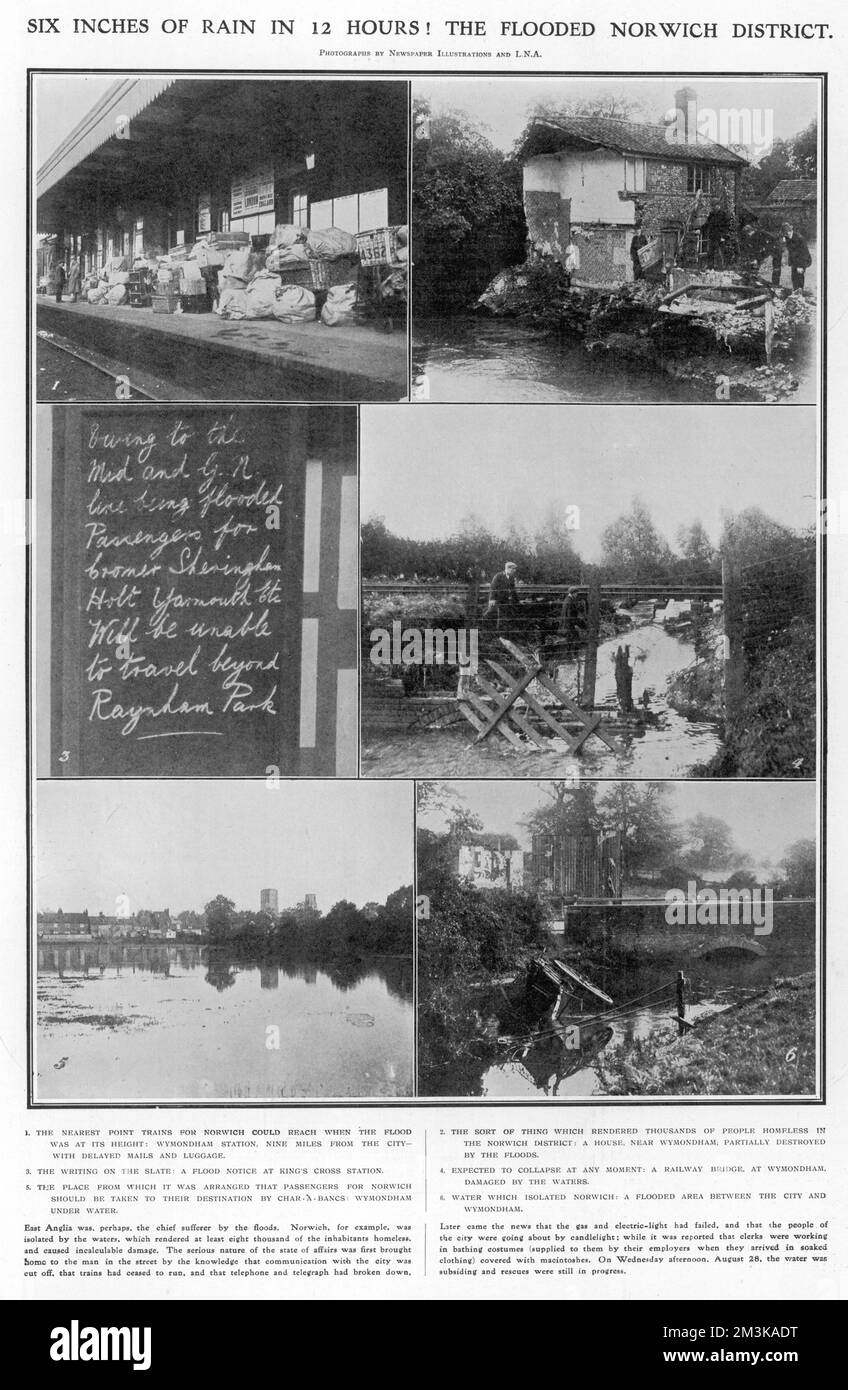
(716, 323)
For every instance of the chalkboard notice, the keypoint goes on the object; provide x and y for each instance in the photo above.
(203, 596)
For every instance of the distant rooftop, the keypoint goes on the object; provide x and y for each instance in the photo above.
(793, 191)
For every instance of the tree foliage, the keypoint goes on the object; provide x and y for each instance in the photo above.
(467, 212)
(799, 877)
(632, 547)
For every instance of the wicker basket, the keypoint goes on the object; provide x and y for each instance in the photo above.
(165, 303)
(321, 275)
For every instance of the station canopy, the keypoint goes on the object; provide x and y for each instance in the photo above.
(148, 140)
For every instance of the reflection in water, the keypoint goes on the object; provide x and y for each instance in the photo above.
(125, 1021)
(510, 1060)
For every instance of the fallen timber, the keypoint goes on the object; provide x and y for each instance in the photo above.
(698, 302)
(491, 709)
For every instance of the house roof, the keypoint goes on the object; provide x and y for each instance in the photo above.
(627, 137)
(793, 191)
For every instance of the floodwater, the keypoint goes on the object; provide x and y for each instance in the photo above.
(193, 1023)
(472, 358)
(646, 992)
(669, 747)
(497, 360)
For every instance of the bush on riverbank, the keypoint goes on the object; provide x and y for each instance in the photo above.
(469, 938)
(765, 1047)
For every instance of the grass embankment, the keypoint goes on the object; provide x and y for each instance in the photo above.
(764, 1047)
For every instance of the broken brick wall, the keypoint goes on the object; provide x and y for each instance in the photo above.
(604, 254)
(548, 222)
(665, 200)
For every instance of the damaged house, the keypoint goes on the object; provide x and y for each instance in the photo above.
(596, 179)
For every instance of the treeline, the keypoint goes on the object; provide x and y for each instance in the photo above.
(632, 549)
(344, 932)
(654, 844)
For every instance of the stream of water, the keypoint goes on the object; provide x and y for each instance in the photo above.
(471, 358)
(480, 359)
(670, 746)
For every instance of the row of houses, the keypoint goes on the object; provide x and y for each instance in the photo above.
(82, 926)
(153, 925)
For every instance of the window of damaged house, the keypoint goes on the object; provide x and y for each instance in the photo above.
(635, 175)
(701, 178)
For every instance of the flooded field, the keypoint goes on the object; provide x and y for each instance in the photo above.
(190, 1022)
(669, 747)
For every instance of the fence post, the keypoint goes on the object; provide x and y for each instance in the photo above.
(593, 628)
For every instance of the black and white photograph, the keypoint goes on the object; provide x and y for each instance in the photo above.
(196, 591)
(212, 941)
(619, 239)
(606, 939)
(542, 597)
(226, 238)
(421, 532)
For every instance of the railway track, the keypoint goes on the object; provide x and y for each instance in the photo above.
(127, 383)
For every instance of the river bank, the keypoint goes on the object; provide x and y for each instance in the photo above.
(765, 1045)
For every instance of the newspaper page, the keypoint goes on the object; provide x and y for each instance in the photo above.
(415, 525)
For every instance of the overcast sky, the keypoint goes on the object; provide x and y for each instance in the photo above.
(764, 817)
(504, 105)
(177, 844)
(427, 467)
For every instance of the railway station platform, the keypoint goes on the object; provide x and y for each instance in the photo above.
(205, 357)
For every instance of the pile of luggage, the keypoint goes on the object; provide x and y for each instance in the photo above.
(302, 274)
(110, 286)
(296, 275)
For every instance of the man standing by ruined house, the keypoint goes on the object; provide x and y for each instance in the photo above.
(571, 263)
(797, 254)
(639, 240)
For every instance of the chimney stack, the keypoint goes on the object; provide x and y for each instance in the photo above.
(686, 107)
